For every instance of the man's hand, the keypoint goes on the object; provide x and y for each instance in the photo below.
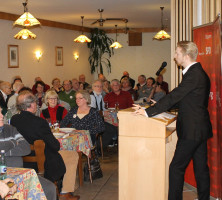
(5, 189)
(139, 110)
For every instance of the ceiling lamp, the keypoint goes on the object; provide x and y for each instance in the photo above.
(25, 34)
(161, 35)
(26, 19)
(116, 44)
(82, 38)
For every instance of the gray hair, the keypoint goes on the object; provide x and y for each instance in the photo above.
(98, 80)
(4, 85)
(85, 94)
(24, 100)
(115, 80)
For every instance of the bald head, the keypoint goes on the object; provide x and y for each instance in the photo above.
(6, 87)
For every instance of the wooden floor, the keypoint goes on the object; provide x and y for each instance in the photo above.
(106, 188)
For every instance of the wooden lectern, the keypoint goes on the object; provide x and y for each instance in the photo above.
(146, 148)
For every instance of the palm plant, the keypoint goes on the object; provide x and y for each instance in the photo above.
(100, 51)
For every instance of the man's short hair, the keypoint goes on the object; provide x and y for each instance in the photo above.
(55, 79)
(115, 80)
(188, 48)
(24, 100)
(98, 80)
(70, 82)
(4, 85)
(143, 76)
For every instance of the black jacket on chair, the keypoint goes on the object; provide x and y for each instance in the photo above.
(3, 103)
(191, 95)
(34, 128)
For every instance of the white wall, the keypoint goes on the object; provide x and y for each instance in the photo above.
(145, 59)
(47, 39)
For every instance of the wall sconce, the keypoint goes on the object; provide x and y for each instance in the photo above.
(38, 55)
(76, 56)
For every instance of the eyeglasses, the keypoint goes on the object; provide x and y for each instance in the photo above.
(80, 98)
(52, 99)
(98, 86)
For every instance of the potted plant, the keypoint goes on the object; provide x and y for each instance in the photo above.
(100, 51)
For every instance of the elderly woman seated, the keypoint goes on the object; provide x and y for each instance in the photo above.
(126, 86)
(54, 113)
(83, 117)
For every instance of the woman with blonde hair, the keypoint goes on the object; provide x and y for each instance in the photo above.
(54, 113)
(84, 117)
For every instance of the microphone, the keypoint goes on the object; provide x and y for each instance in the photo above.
(164, 64)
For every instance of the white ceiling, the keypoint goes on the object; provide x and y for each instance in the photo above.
(140, 13)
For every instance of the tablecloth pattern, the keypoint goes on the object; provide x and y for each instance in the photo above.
(78, 140)
(110, 117)
(28, 185)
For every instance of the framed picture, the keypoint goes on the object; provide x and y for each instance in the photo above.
(13, 56)
(59, 56)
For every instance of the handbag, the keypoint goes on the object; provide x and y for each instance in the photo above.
(95, 170)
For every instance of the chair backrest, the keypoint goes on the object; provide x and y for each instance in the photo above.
(39, 158)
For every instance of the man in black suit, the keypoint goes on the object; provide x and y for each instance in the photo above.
(5, 91)
(193, 122)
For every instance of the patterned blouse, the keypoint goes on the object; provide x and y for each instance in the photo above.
(92, 121)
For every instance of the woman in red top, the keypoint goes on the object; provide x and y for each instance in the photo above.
(54, 113)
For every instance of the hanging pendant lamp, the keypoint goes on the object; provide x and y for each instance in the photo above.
(116, 44)
(82, 38)
(25, 34)
(162, 35)
(26, 19)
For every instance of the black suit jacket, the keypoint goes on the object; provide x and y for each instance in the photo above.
(35, 128)
(3, 103)
(191, 95)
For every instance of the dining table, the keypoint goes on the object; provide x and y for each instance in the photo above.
(28, 185)
(75, 140)
(110, 116)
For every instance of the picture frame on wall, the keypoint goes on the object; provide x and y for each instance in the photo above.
(59, 56)
(13, 56)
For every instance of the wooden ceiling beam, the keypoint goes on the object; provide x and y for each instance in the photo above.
(13, 17)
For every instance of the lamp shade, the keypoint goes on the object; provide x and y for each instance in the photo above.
(25, 34)
(82, 39)
(26, 19)
(162, 35)
(116, 45)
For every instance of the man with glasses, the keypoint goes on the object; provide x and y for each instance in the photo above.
(68, 95)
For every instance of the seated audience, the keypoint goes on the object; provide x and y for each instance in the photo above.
(141, 82)
(97, 95)
(5, 91)
(132, 81)
(82, 79)
(106, 87)
(83, 117)
(40, 92)
(15, 147)
(117, 96)
(12, 100)
(15, 79)
(75, 84)
(68, 95)
(159, 93)
(5, 190)
(46, 87)
(34, 128)
(54, 113)
(56, 85)
(126, 86)
(163, 84)
(147, 91)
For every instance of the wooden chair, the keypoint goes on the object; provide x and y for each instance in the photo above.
(39, 157)
(100, 137)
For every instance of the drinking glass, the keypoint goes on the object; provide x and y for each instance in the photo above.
(116, 106)
(106, 105)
